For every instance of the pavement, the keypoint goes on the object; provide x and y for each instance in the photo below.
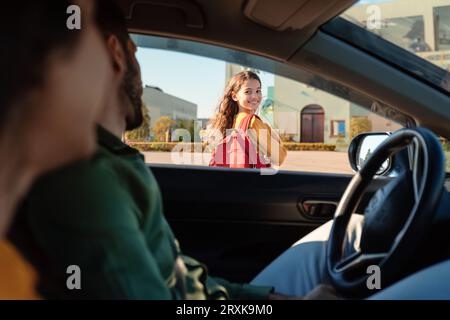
(309, 161)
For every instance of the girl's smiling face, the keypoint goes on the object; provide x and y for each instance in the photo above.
(249, 96)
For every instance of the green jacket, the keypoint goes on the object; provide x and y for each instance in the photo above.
(105, 215)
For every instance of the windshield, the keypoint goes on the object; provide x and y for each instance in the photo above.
(420, 31)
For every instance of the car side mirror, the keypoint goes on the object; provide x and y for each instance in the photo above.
(362, 146)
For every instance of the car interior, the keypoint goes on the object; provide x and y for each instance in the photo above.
(237, 221)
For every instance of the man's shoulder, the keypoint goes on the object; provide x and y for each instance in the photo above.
(99, 164)
(96, 175)
(89, 191)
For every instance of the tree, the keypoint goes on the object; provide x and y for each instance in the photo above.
(360, 125)
(142, 132)
(188, 125)
(162, 126)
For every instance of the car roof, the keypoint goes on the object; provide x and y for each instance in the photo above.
(273, 29)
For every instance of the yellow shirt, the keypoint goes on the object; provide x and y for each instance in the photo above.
(266, 144)
(17, 277)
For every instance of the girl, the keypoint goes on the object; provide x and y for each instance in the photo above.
(239, 104)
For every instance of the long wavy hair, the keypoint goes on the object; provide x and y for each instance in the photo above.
(228, 108)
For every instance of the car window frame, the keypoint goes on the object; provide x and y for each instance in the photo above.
(253, 60)
(388, 52)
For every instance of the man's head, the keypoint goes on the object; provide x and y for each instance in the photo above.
(53, 84)
(47, 103)
(111, 22)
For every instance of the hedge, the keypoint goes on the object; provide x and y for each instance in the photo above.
(162, 146)
(303, 146)
(168, 146)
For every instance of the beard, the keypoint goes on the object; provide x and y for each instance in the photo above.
(132, 86)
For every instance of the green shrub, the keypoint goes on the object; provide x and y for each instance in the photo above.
(143, 131)
(359, 125)
(303, 146)
(445, 144)
(168, 146)
(164, 146)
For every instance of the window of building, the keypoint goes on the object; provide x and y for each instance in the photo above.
(338, 128)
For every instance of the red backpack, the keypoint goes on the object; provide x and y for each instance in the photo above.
(236, 150)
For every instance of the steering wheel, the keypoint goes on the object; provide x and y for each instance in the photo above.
(389, 237)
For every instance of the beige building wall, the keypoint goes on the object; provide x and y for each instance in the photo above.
(291, 97)
(382, 124)
(231, 69)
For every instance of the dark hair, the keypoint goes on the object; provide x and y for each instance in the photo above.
(228, 108)
(30, 31)
(111, 21)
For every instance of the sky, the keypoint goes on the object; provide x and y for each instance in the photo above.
(193, 78)
(196, 79)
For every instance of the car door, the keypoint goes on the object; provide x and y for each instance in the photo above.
(237, 222)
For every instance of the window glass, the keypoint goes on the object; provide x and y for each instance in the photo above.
(182, 92)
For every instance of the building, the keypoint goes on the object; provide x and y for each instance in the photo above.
(203, 123)
(162, 104)
(231, 69)
(306, 114)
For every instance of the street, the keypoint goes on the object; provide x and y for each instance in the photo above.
(311, 161)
